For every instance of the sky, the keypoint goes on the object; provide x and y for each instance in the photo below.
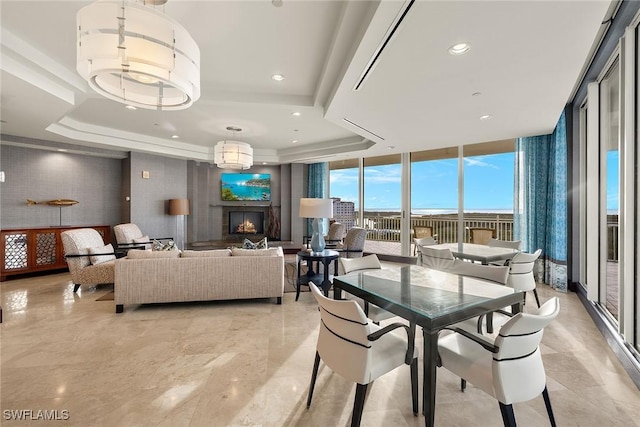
(488, 184)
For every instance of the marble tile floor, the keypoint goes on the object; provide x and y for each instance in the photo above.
(248, 363)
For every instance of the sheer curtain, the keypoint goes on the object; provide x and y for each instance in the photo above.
(540, 214)
(317, 177)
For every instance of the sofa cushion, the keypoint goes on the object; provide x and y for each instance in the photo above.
(142, 254)
(99, 259)
(206, 254)
(255, 252)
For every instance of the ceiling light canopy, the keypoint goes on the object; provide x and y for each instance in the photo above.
(137, 55)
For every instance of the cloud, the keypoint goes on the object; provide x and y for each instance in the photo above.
(478, 161)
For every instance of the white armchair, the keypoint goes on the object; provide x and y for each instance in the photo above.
(360, 351)
(508, 368)
(90, 261)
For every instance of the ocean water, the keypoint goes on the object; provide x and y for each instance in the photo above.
(247, 192)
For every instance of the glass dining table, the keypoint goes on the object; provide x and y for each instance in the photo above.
(430, 299)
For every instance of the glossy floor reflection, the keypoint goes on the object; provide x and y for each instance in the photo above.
(249, 363)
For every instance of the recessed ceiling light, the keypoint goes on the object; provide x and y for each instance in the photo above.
(391, 147)
(485, 117)
(459, 48)
(277, 77)
(62, 150)
(175, 136)
(294, 141)
(264, 163)
(296, 113)
(130, 107)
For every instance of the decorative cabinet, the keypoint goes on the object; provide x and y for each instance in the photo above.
(28, 250)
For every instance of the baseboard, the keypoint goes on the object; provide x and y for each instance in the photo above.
(629, 358)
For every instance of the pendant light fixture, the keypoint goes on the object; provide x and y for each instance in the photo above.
(230, 154)
(133, 53)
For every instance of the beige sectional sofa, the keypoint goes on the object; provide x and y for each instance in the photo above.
(168, 276)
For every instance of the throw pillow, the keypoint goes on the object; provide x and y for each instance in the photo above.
(96, 257)
(248, 244)
(159, 246)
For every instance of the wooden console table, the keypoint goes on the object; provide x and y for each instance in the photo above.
(28, 250)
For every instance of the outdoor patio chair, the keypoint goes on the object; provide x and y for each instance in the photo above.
(421, 232)
(481, 236)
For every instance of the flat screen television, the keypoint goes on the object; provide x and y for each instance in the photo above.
(246, 186)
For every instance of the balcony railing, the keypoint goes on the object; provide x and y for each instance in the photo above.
(386, 227)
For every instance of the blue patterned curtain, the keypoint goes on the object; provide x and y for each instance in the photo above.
(317, 186)
(540, 217)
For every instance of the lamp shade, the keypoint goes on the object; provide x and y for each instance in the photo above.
(137, 55)
(233, 155)
(179, 207)
(316, 208)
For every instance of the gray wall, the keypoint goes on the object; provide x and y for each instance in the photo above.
(47, 175)
(149, 204)
(102, 186)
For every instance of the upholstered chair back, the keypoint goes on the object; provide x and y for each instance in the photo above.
(336, 232)
(77, 242)
(342, 341)
(353, 244)
(521, 270)
(439, 259)
(518, 372)
(493, 273)
(125, 233)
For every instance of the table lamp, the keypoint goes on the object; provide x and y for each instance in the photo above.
(316, 209)
(180, 208)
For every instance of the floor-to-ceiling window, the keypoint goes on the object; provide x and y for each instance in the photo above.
(344, 188)
(382, 203)
(434, 192)
(489, 187)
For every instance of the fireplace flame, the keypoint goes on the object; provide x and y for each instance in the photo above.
(246, 227)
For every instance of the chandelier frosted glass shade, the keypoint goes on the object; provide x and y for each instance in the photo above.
(137, 55)
(233, 155)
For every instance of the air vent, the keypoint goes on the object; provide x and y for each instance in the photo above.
(364, 129)
(368, 69)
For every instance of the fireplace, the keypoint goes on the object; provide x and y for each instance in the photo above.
(247, 222)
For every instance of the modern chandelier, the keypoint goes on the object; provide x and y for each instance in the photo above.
(132, 53)
(229, 154)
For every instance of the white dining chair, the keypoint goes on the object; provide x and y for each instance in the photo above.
(438, 259)
(354, 266)
(521, 272)
(360, 351)
(508, 368)
(511, 244)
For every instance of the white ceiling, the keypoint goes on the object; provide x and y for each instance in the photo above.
(525, 59)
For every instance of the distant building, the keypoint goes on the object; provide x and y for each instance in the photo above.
(344, 212)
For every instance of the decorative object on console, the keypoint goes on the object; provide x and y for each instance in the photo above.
(318, 209)
(132, 53)
(180, 208)
(59, 203)
(229, 154)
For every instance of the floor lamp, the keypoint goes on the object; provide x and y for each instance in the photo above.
(318, 209)
(180, 208)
